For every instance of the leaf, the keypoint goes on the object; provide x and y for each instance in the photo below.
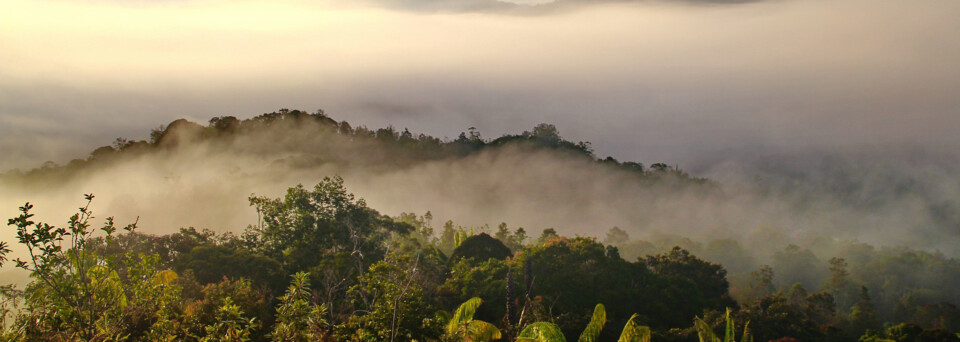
(731, 330)
(633, 332)
(597, 321)
(746, 333)
(704, 332)
(463, 314)
(480, 331)
(541, 332)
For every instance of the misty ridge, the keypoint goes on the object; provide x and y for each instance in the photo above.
(512, 170)
(781, 227)
(196, 175)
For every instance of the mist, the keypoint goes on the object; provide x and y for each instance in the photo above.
(676, 82)
(769, 204)
(822, 122)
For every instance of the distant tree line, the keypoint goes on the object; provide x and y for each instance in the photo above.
(319, 139)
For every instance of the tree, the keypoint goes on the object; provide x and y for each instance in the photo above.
(547, 235)
(761, 282)
(863, 315)
(306, 226)
(78, 293)
(389, 306)
(616, 237)
(481, 248)
(75, 291)
(796, 265)
(212, 264)
(297, 318)
(838, 280)
(567, 277)
(503, 233)
(711, 279)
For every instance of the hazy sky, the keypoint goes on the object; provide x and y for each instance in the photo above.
(688, 82)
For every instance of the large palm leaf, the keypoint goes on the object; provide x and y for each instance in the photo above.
(463, 314)
(541, 332)
(706, 333)
(480, 331)
(462, 323)
(633, 332)
(597, 321)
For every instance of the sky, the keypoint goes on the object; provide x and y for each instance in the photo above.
(694, 83)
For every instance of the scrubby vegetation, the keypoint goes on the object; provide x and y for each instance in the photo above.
(357, 275)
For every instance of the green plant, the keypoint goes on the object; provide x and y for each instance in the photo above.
(297, 318)
(706, 333)
(75, 292)
(633, 332)
(541, 332)
(464, 326)
(597, 321)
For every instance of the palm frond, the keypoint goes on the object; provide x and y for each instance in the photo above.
(541, 332)
(746, 333)
(463, 314)
(633, 332)
(480, 331)
(597, 321)
(704, 331)
(731, 330)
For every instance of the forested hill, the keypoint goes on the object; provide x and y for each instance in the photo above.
(666, 254)
(298, 139)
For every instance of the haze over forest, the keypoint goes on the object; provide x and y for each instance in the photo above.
(783, 125)
(792, 92)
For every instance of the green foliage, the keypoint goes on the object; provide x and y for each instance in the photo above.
(211, 264)
(76, 293)
(250, 302)
(482, 279)
(706, 334)
(230, 325)
(481, 248)
(634, 332)
(709, 278)
(863, 315)
(592, 331)
(462, 324)
(306, 226)
(384, 279)
(388, 298)
(298, 319)
(463, 314)
(541, 332)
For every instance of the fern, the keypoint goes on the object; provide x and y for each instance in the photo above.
(597, 321)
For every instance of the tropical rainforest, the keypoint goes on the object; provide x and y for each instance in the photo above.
(315, 262)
